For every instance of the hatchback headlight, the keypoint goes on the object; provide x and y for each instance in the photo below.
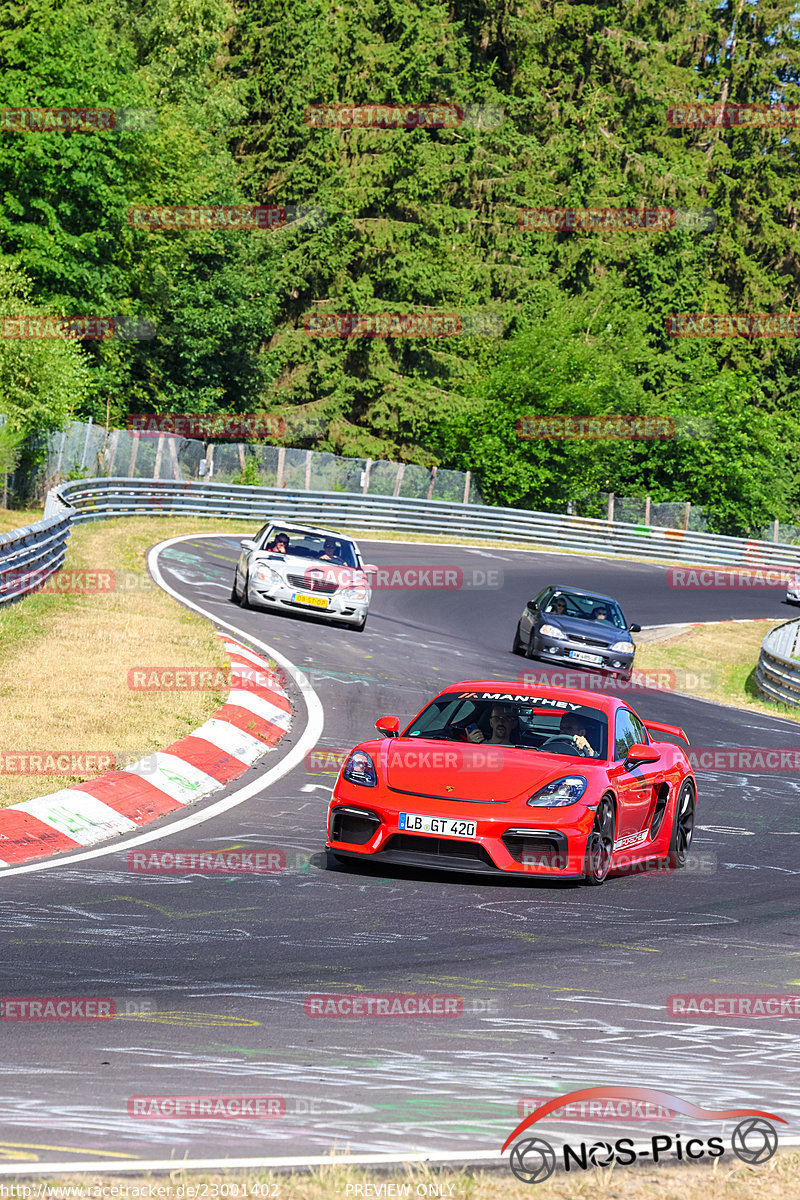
(622, 647)
(559, 793)
(360, 768)
(552, 631)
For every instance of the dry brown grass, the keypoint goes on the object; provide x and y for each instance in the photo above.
(16, 518)
(65, 658)
(726, 653)
(779, 1179)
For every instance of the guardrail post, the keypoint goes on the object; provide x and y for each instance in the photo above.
(432, 482)
(159, 453)
(86, 444)
(647, 510)
(134, 452)
(173, 453)
(309, 458)
(686, 514)
(367, 470)
(610, 506)
(281, 461)
(399, 478)
(467, 478)
(774, 531)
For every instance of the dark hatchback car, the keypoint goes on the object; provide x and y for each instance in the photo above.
(570, 626)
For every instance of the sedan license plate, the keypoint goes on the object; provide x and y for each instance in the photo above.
(445, 826)
(588, 658)
(316, 601)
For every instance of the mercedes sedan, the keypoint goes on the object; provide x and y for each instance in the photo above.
(296, 568)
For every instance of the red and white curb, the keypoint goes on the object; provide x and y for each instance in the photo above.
(252, 721)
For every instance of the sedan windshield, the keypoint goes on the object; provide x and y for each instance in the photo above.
(300, 543)
(509, 719)
(586, 608)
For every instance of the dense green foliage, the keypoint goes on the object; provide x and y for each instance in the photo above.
(419, 220)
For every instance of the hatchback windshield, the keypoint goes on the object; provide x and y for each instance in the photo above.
(586, 608)
(509, 719)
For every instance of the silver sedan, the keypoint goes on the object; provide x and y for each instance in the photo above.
(296, 568)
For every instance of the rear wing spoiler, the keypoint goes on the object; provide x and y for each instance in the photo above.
(657, 727)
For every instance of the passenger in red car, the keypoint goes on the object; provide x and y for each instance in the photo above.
(505, 727)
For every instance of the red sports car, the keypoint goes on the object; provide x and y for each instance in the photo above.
(522, 779)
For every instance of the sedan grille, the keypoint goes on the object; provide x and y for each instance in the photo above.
(306, 583)
(587, 641)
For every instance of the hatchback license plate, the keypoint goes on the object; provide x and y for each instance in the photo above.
(588, 658)
(444, 826)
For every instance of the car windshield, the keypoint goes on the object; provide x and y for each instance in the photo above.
(510, 719)
(587, 608)
(301, 543)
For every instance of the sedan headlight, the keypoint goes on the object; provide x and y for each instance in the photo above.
(354, 593)
(622, 647)
(559, 793)
(552, 631)
(266, 575)
(360, 768)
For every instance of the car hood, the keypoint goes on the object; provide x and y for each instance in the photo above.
(480, 772)
(598, 631)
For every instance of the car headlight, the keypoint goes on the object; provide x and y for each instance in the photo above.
(559, 793)
(266, 575)
(622, 647)
(552, 631)
(360, 768)
(354, 593)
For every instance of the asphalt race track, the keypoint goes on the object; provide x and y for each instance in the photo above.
(563, 986)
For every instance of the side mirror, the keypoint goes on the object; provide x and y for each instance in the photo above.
(634, 629)
(388, 726)
(370, 569)
(248, 544)
(638, 754)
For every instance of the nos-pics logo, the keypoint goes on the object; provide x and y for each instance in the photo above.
(754, 1139)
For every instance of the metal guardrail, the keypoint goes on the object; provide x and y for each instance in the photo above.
(28, 556)
(778, 670)
(95, 499)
